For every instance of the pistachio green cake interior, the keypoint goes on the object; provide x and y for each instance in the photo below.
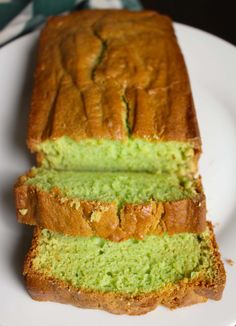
(131, 266)
(112, 155)
(121, 187)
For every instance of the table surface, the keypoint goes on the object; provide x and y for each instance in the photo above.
(215, 17)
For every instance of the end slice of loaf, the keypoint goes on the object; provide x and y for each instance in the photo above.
(108, 81)
(205, 281)
(114, 206)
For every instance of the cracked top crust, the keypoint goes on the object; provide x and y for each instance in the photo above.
(111, 74)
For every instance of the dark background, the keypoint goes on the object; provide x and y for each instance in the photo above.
(215, 17)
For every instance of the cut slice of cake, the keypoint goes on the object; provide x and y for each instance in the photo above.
(112, 205)
(112, 93)
(129, 277)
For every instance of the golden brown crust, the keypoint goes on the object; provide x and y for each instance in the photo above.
(181, 294)
(86, 218)
(111, 74)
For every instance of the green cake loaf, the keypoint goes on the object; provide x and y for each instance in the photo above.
(112, 93)
(118, 209)
(113, 205)
(132, 276)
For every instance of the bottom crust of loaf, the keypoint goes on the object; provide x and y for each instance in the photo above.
(183, 293)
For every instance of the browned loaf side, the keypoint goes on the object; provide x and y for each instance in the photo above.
(95, 63)
(183, 293)
(75, 217)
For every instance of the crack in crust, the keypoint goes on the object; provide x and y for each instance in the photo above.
(101, 54)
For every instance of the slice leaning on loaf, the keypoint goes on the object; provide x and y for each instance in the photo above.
(112, 93)
(112, 205)
(129, 277)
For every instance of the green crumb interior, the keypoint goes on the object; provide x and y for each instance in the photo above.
(121, 187)
(132, 266)
(113, 155)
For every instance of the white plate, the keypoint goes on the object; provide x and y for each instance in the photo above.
(212, 67)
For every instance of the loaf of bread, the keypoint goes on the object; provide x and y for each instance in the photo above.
(112, 205)
(111, 92)
(130, 277)
(118, 208)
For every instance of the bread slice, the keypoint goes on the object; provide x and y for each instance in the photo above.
(114, 206)
(130, 277)
(112, 93)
